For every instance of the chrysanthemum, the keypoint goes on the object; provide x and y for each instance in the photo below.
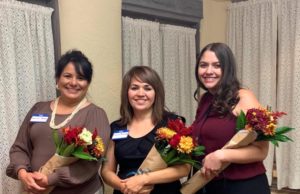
(165, 133)
(186, 144)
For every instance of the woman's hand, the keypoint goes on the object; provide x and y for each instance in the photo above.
(146, 189)
(41, 179)
(212, 164)
(135, 184)
(30, 182)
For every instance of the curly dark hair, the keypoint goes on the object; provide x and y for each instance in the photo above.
(226, 97)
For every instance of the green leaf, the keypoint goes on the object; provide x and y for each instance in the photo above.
(282, 130)
(168, 156)
(275, 143)
(68, 150)
(84, 155)
(198, 151)
(241, 121)
(57, 140)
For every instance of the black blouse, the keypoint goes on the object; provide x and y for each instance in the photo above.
(130, 153)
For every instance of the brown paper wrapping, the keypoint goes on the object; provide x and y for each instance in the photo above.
(197, 181)
(53, 163)
(153, 161)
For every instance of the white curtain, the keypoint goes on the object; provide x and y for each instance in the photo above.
(252, 35)
(288, 155)
(26, 71)
(171, 51)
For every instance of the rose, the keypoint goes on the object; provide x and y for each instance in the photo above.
(86, 137)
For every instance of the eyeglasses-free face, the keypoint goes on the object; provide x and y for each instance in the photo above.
(72, 86)
(209, 71)
(141, 96)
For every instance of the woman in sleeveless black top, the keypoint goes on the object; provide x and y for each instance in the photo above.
(142, 113)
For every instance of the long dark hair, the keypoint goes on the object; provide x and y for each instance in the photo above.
(149, 76)
(226, 97)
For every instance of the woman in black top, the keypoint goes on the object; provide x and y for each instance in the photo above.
(142, 113)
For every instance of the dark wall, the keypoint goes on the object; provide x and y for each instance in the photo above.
(177, 12)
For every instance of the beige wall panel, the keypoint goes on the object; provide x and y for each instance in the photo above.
(94, 27)
(214, 22)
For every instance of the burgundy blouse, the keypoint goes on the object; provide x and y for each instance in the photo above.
(214, 132)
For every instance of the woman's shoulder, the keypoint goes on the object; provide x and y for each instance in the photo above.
(115, 125)
(172, 116)
(247, 96)
(247, 100)
(243, 92)
(95, 108)
(43, 106)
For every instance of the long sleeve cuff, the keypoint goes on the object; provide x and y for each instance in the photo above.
(12, 170)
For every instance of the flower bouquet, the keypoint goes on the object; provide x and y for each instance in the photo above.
(259, 124)
(173, 145)
(77, 143)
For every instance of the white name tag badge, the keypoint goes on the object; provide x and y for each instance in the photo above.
(39, 118)
(120, 134)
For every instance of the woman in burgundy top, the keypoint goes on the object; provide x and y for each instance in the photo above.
(215, 125)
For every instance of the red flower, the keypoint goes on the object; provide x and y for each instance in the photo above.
(186, 131)
(94, 134)
(71, 135)
(175, 140)
(176, 125)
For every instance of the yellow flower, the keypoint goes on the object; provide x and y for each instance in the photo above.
(186, 144)
(165, 133)
(270, 129)
(99, 145)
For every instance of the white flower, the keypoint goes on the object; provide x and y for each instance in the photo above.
(86, 136)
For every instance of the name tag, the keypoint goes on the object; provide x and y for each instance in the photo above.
(39, 118)
(120, 134)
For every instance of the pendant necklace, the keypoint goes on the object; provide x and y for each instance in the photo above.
(52, 124)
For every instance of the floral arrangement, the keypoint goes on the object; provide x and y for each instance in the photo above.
(258, 124)
(176, 145)
(80, 143)
(173, 145)
(76, 143)
(264, 122)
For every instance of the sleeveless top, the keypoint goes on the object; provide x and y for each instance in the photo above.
(131, 152)
(214, 132)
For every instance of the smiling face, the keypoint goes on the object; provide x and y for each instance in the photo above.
(209, 71)
(72, 86)
(141, 96)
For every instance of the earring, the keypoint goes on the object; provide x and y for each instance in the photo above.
(57, 87)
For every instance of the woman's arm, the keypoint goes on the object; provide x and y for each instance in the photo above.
(257, 151)
(136, 183)
(109, 169)
(20, 154)
(21, 150)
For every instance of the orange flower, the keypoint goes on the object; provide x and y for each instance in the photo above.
(186, 144)
(165, 133)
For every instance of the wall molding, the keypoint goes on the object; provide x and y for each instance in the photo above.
(188, 12)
